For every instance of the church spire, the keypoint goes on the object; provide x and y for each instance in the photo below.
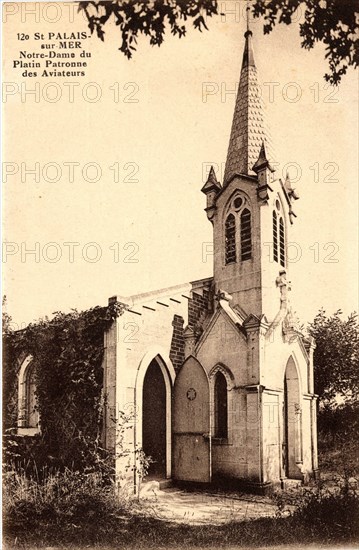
(248, 58)
(248, 127)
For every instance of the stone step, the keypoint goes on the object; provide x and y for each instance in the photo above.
(150, 485)
(291, 484)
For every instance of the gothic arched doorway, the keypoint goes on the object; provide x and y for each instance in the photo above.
(292, 422)
(154, 419)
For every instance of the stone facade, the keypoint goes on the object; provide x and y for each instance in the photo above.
(239, 403)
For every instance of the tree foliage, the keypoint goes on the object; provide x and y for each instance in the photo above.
(6, 318)
(336, 357)
(135, 17)
(333, 22)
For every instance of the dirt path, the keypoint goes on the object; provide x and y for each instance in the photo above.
(199, 508)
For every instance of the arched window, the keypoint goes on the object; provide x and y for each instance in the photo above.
(246, 238)
(275, 237)
(31, 413)
(239, 217)
(28, 415)
(230, 239)
(281, 242)
(220, 406)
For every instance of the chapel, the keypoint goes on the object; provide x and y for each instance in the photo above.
(215, 373)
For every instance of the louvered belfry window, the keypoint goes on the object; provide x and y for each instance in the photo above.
(281, 243)
(275, 237)
(238, 231)
(230, 236)
(246, 238)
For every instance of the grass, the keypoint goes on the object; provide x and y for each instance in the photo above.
(73, 510)
(150, 533)
(78, 510)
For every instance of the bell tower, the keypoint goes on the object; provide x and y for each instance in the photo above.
(251, 212)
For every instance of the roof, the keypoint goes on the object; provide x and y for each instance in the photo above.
(249, 130)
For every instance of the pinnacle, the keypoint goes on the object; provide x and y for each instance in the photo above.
(212, 183)
(212, 176)
(262, 160)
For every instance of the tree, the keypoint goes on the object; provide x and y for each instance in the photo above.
(134, 17)
(336, 357)
(6, 319)
(333, 22)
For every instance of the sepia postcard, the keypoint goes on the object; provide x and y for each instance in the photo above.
(180, 274)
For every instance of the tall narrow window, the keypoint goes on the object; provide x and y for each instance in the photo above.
(281, 243)
(230, 238)
(32, 415)
(275, 237)
(28, 418)
(246, 238)
(221, 406)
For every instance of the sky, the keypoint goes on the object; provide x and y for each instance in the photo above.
(114, 206)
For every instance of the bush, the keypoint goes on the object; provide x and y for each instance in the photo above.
(331, 509)
(60, 498)
(67, 357)
(340, 423)
(29, 456)
(338, 441)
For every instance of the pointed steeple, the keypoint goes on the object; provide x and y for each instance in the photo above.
(248, 126)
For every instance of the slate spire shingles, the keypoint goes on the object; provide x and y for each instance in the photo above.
(248, 127)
